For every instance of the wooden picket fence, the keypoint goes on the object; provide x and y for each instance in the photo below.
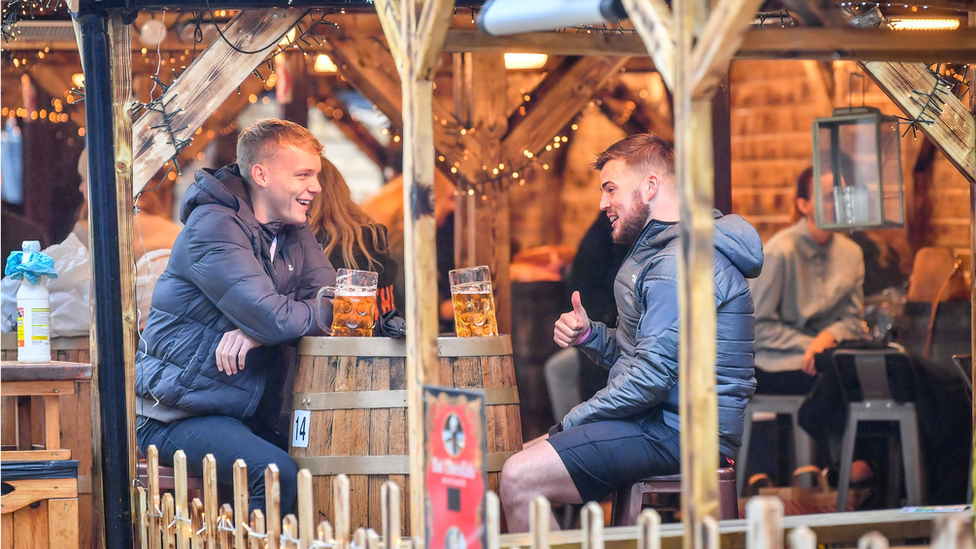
(170, 521)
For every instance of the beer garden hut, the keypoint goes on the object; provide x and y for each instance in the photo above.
(691, 47)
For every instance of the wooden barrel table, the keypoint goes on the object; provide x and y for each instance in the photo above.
(355, 390)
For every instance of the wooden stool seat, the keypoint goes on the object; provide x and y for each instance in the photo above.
(629, 499)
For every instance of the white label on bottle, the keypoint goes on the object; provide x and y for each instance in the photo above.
(299, 437)
(40, 324)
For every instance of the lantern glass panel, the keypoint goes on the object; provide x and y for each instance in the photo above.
(891, 172)
(849, 176)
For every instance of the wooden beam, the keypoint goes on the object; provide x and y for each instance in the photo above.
(350, 127)
(721, 38)
(616, 104)
(205, 84)
(557, 106)
(652, 20)
(825, 44)
(435, 20)
(953, 132)
(222, 118)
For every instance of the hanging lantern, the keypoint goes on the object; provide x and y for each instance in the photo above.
(857, 170)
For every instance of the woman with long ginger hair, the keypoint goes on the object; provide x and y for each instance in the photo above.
(350, 239)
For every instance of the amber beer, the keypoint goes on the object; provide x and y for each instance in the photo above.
(474, 304)
(353, 314)
(353, 305)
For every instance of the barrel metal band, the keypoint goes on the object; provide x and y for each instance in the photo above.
(364, 400)
(378, 465)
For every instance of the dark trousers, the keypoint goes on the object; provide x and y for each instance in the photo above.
(791, 382)
(228, 439)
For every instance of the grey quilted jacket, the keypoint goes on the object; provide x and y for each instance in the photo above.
(221, 277)
(642, 352)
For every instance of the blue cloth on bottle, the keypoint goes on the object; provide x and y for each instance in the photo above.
(39, 265)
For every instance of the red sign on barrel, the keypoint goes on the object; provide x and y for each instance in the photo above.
(455, 449)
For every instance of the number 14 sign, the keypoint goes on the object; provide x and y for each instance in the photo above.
(299, 429)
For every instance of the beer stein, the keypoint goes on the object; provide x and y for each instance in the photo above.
(353, 307)
(474, 304)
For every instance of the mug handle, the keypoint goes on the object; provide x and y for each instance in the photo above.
(325, 324)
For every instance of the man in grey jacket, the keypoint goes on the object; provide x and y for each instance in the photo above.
(630, 429)
(240, 285)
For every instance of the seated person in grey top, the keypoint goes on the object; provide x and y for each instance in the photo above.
(808, 298)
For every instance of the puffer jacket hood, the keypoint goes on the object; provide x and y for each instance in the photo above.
(642, 351)
(227, 271)
(223, 187)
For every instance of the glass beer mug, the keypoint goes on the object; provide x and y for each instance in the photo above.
(353, 307)
(474, 304)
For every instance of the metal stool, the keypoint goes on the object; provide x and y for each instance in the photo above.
(877, 404)
(629, 499)
(779, 405)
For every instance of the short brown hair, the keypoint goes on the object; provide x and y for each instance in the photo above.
(259, 142)
(644, 152)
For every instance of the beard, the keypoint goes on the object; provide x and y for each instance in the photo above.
(634, 223)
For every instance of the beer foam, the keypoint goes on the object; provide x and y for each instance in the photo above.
(480, 288)
(355, 292)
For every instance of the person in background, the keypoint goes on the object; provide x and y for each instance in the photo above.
(15, 229)
(239, 289)
(809, 297)
(630, 429)
(151, 232)
(350, 239)
(571, 377)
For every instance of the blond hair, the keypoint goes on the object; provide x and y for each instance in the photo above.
(334, 214)
(260, 141)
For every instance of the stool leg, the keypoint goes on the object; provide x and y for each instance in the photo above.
(802, 448)
(743, 456)
(911, 458)
(627, 505)
(846, 459)
(728, 505)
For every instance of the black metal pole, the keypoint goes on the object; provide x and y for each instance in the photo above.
(104, 230)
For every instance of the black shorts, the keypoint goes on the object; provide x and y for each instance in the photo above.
(604, 455)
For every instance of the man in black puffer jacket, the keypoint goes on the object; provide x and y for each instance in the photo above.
(630, 429)
(240, 285)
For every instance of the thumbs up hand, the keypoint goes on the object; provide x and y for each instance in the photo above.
(571, 326)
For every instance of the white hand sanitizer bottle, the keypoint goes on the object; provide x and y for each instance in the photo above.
(33, 315)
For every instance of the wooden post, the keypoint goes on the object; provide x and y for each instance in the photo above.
(649, 530)
(306, 509)
(709, 533)
(272, 505)
(803, 538)
(764, 523)
(416, 43)
(372, 539)
(241, 500)
(289, 532)
(359, 538)
(197, 538)
(182, 507)
(972, 253)
(483, 219)
(256, 536)
(155, 505)
(226, 519)
(169, 524)
(139, 517)
(953, 531)
(540, 518)
(390, 494)
(493, 521)
(340, 510)
(210, 498)
(323, 533)
(113, 271)
(591, 519)
(872, 540)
